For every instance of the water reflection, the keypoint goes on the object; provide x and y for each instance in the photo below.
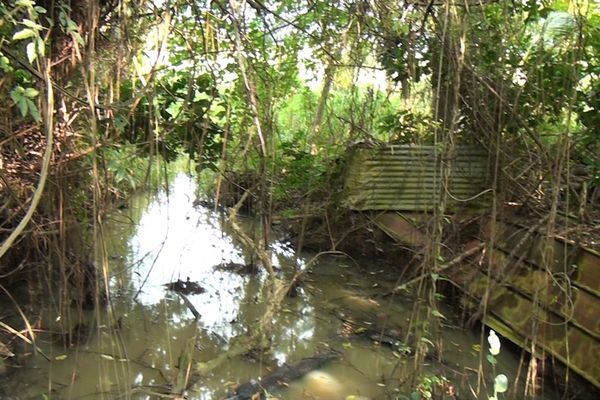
(177, 240)
(134, 347)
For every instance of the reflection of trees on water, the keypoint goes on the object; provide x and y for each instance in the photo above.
(138, 342)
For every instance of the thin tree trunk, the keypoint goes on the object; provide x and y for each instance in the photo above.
(328, 77)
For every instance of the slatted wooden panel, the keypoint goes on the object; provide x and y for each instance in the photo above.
(407, 178)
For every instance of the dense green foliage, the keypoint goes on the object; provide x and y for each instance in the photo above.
(283, 88)
(266, 97)
(529, 70)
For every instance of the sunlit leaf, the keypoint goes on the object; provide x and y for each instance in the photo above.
(500, 383)
(494, 342)
(174, 109)
(24, 34)
(30, 24)
(25, 3)
(61, 357)
(71, 25)
(31, 53)
(75, 35)
(5, 64)
(41, 48)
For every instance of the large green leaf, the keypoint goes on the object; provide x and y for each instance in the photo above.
(24, 34)
(500, 383)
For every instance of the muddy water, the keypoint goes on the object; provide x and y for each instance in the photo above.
(132, 348)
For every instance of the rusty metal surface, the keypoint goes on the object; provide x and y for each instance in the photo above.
(551, 297)
(407, 178)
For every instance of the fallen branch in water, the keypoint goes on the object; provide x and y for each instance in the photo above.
(189, 305)
(277, 292)
(282, 376)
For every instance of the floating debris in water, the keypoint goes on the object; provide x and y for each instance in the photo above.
(186, 287)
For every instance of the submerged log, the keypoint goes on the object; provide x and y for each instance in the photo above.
(282, 376)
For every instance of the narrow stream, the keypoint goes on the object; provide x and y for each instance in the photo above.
(132, 349)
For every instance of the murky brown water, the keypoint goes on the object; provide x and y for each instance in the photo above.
(132, 349)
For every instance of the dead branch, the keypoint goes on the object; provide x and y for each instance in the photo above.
(441, 268)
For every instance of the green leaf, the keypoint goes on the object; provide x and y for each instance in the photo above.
(24, 34)
(491, 359)
(72, 26)
(31, 53)
(40, 10)
(25, 3)
(30, 24)
(17, 94)
(61, 357)
(62, 18)
(5, 64)
(500, 383)
(22, 103)
(41, 47)
(174, 109)
(33, 110)
(31, 93)
(78, 38)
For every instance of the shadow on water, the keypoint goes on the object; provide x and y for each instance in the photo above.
(133, 348)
